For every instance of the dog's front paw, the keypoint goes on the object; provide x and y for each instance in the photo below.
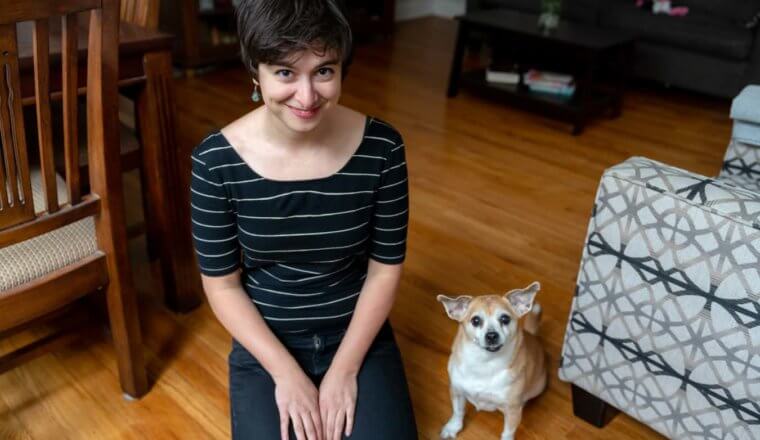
(507, 436)
(451, 429)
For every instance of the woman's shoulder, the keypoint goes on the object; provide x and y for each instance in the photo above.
(211, 151)
(216, 144)
(383, 133)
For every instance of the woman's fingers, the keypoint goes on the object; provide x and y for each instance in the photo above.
(323, 419)
(329, 422)
(308, 424)
(339, 417)
(298, 426)
(350, 420)
(284, 421)
(317, 420)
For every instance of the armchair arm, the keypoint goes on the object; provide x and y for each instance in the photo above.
(667, 295)
(713, 195)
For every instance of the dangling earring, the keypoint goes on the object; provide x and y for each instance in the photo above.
(256, 96)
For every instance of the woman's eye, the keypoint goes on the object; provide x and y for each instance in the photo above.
(504, 319)
(475, 321)
(283, 73)
(325, 71)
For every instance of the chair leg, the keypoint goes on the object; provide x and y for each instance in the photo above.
(152, 235)
(591, 408)
(125, 331)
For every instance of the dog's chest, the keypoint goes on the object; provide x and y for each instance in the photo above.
(483, 386)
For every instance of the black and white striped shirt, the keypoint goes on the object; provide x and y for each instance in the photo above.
(303, 245)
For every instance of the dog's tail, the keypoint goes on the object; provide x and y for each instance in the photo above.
(533, 319)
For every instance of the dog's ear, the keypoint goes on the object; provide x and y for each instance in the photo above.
(455, 307)
(521, 300)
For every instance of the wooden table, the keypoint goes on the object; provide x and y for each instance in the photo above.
(145, 72)
(599, 59)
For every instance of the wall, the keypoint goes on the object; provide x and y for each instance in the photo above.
(407, 9)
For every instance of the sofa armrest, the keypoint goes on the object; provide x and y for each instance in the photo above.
(667, 295)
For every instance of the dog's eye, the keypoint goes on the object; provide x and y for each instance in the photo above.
(504, 319)
(475, 321)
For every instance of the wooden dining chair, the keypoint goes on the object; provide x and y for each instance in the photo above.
(143, 13)
(131, 104)
(58, 245)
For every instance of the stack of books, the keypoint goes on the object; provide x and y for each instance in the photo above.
(550, 82)
(502, 76)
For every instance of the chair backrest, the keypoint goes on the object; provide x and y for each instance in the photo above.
(18, 220)
(143, 13)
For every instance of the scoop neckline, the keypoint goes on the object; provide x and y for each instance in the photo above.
(316, 179)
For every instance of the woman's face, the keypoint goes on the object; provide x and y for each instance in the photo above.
(301, 89)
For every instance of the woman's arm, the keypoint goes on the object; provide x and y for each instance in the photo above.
(239, 316)
(372, 309)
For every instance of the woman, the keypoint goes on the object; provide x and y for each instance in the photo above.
(314, 197)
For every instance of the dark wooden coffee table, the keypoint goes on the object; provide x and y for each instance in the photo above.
(599, 59)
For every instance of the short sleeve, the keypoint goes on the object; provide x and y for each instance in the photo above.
(391, 209)
(214, 224)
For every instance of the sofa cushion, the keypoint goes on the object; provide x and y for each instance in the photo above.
(585, 11)
(698, 32)
(740, 11)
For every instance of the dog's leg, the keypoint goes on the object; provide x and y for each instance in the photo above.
(532, 319)
(454, 425)
(512, 416)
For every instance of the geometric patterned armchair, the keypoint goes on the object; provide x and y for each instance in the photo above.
(665, 320)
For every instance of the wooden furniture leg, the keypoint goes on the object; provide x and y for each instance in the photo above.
(166, 174)
(591, 408)
(456, 62)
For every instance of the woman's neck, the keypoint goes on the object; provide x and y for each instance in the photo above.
(280, 134)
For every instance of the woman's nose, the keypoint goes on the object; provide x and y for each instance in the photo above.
(305, 95)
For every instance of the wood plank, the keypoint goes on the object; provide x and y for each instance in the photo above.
(26, 10)
(69, 66)
(44, 124)
(12, 135)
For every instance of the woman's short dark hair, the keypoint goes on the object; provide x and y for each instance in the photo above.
(270, 30)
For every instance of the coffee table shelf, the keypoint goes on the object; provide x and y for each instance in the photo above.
(568, 109)
(590, 51)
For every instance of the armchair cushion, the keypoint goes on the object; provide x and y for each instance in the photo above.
(30, 259)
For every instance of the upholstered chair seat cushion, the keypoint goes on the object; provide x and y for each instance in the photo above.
(30, 259)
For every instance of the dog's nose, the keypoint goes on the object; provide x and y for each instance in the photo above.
(492, 337)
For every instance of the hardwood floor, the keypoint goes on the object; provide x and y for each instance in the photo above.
(499, 198)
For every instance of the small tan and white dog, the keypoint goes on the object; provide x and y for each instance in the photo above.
(497, 362)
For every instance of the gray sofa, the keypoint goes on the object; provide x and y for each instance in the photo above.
(714, 50)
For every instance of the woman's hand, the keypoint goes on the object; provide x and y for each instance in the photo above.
(298, 400)
(337, 402)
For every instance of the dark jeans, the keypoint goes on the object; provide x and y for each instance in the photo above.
(383, 407)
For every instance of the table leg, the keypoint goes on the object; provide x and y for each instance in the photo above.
(584, 83)
(166, 177)
(456, 62)
(624, 56)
